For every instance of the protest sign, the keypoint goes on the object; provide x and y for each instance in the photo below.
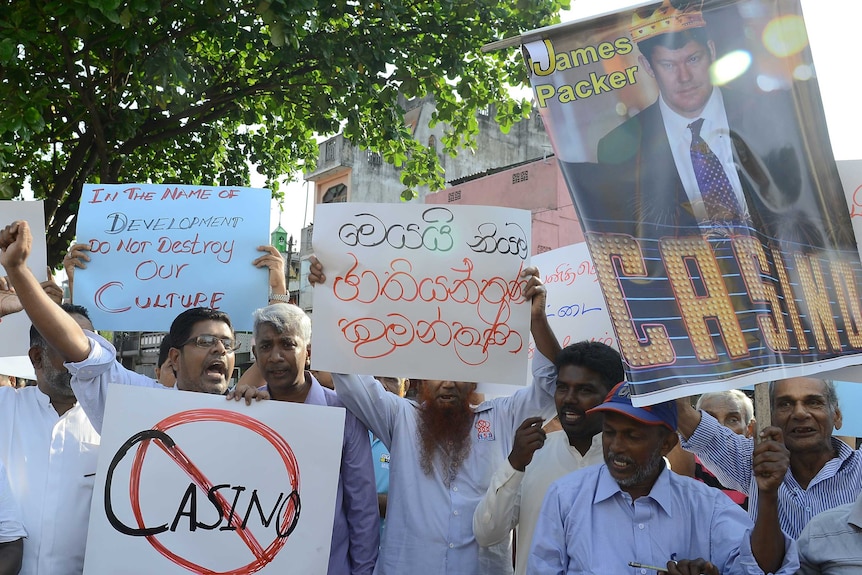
(159, 249)
(15, 327)
(190, 482)
(692, 139)
(575, 307)
(422, 291)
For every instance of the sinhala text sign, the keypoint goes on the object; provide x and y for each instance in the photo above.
(422, 291)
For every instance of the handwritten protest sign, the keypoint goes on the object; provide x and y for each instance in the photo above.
(715, 216)
(159, 249)
(575, 307)
(422, 291)
(189, 482)
(14, 327)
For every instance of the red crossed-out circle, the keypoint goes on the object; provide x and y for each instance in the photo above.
(263, 556)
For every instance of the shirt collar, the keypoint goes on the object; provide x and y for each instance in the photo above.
(712, 114)
(660, 493)
(595, 446)
(844, 450)
(316, 395)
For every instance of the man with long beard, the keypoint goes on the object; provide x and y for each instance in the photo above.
(632, 511)
(444, 451)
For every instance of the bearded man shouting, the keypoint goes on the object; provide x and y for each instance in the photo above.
(444, 450)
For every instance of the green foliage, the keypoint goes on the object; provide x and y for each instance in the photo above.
(191, 91)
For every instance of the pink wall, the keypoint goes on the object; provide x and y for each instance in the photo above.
(537, 186)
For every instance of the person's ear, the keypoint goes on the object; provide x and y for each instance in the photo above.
(711, 46)
(35, 354)
(838, 420)
(174, 356)
(752, 425)
(670, 441)
(308, 356)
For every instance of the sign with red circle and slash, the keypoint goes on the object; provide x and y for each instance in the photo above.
(229, 489)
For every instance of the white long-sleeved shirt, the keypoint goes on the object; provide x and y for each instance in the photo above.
(429, 524)
(51, 464)
(514, 498)
(11, 521)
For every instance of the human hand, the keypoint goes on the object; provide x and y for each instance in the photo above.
(52, 290)
(247, 393)
(76, 257)
(272, 259)
(535, 292)
(691, 567)
(315, 272)
(9, 302)
(528, 438)
(771, 460)
(16, 242)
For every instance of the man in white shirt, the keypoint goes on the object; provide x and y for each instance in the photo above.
(12, 529)
(587, 371)
(50, 451)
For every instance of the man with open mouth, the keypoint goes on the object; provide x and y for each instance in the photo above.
(824, 471)
(632, 511)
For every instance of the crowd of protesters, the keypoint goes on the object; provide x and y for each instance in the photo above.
(465, 478)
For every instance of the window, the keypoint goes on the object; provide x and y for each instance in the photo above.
(335, 194)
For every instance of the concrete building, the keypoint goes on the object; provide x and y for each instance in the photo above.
(536, 185)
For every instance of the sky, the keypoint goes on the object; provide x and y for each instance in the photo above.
(831, 35)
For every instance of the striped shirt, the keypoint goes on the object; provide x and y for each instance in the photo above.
(729, 456)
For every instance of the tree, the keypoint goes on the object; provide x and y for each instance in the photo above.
(191, 91)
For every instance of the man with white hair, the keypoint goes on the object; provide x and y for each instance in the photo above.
(282, 351)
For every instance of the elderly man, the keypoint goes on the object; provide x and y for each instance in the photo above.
(586, 372)
(444, 451)
(824, 472)
(633, 512)
(732, 409)
(282, 350)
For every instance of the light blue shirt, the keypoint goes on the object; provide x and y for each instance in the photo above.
(429, 525)
(589, 525)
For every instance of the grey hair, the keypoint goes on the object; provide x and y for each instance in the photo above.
(829, 387)
(733, 394)
(283, 317)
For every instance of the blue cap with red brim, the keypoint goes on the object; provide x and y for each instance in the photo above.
(619, 400)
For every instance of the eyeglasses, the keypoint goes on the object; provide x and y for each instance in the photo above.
(208, 341)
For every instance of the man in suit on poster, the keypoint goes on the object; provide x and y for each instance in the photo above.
(719, 158)
(712, 161)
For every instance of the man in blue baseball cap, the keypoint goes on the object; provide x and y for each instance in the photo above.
(632, 511)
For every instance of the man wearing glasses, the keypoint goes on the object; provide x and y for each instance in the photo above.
(203, 357)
